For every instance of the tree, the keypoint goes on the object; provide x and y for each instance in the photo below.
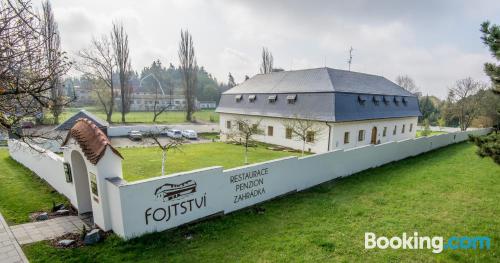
(266, 66)
(303, 130)
(25, 73)
(230, 82)
(441, 123)
(165, 144)
(247, 77)
(189, 70)
(157, 109)
(52, 45)
(491, 38)
(462, 102)
(119, 38)
(98, 63)
(427, 129)
(243, 132)
(407, 83)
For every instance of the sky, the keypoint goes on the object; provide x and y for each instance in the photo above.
(434, 42)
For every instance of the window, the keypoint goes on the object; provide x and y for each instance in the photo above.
(238, 98)
(394, 131)
(272, 98)
(403, 129)
(288, 133)
(361, 135)
(270, 130)
(291, 98)
(405, 101)
(346, 137)
(361, 99)
(411, 127)
(252, 98)
(310, 136)
(384, 133)
(254, 127)
(240, 126)
(228, 124)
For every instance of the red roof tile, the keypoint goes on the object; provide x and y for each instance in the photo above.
(91, 139)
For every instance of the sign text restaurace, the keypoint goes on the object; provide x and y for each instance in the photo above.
(248, 185)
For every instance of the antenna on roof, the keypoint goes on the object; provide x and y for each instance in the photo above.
(350, 58)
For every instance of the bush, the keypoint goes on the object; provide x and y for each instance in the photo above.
(427, 130)
(489, 145)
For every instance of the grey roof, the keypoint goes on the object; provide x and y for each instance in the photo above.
(319, 80)
(68, 124)
(323, 94)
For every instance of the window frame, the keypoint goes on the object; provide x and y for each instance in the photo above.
(395, 130)
(270, 130)
(288, 133)
(384, 132)
(228, 124)
(310, 136)
(361, 135)
(346, 137)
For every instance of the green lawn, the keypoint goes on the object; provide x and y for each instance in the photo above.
(419, 133)
(142, 163)
(21, 192)
(450, 191)
(146, 117)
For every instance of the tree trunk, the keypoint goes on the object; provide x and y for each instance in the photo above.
(163, 160)
(246, 152)
(303, 147)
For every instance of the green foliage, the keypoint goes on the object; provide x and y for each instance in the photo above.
(489, 145)
(207, 89)
(431, 108)
(427, 130)
(491, 38)
(447, 192)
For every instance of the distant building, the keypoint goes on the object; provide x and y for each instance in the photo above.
(207, 105)
(83, 96)
(101, 124)
(145, 101)
(352, 109)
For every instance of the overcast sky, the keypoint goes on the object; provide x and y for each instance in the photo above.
(435, 42)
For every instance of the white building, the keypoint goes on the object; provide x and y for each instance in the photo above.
(350, 109)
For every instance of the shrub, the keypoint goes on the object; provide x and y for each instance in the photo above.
(489, 145)
(427, 129)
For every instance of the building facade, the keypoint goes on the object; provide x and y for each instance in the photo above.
(347, 109)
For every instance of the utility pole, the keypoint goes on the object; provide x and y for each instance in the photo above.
(350, 58)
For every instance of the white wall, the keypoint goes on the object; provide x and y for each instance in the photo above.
(336, 134)
(46, 164)
(234, 189)
(354, 127)
(279, 132)
(133, 209)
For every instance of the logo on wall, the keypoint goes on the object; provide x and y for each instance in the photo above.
(171, 194)
(170, 191)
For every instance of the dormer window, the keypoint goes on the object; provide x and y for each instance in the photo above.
(238, 98)
(376, 99)
(291, 98)
(252, 98)
(405, 101)
(397, 100)
(361, 99)
(272, 98)
(386, 100)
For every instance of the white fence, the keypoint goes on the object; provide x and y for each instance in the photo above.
(165, 202)
(46, 164)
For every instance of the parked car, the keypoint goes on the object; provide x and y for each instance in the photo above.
(173, 133)
(190, 134)
(135, 135)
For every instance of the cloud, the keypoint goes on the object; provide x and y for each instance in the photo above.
(435, 42)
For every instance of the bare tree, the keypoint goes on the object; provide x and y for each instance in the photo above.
(407, 83)
(98, 62)
(303, 130)
(464, 101)
(243, 132)
(52, 47)
(266, 66)
(230, 82)
(189, 69)
(157, 109)
(25, 73)
(119, 38)
(165, 144)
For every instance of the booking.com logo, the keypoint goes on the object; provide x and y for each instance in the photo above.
(436, 243)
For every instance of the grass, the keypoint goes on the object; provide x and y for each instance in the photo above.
(142, 163)
(419, 133)
(22, 192)
(450, 191)
(145, 117)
